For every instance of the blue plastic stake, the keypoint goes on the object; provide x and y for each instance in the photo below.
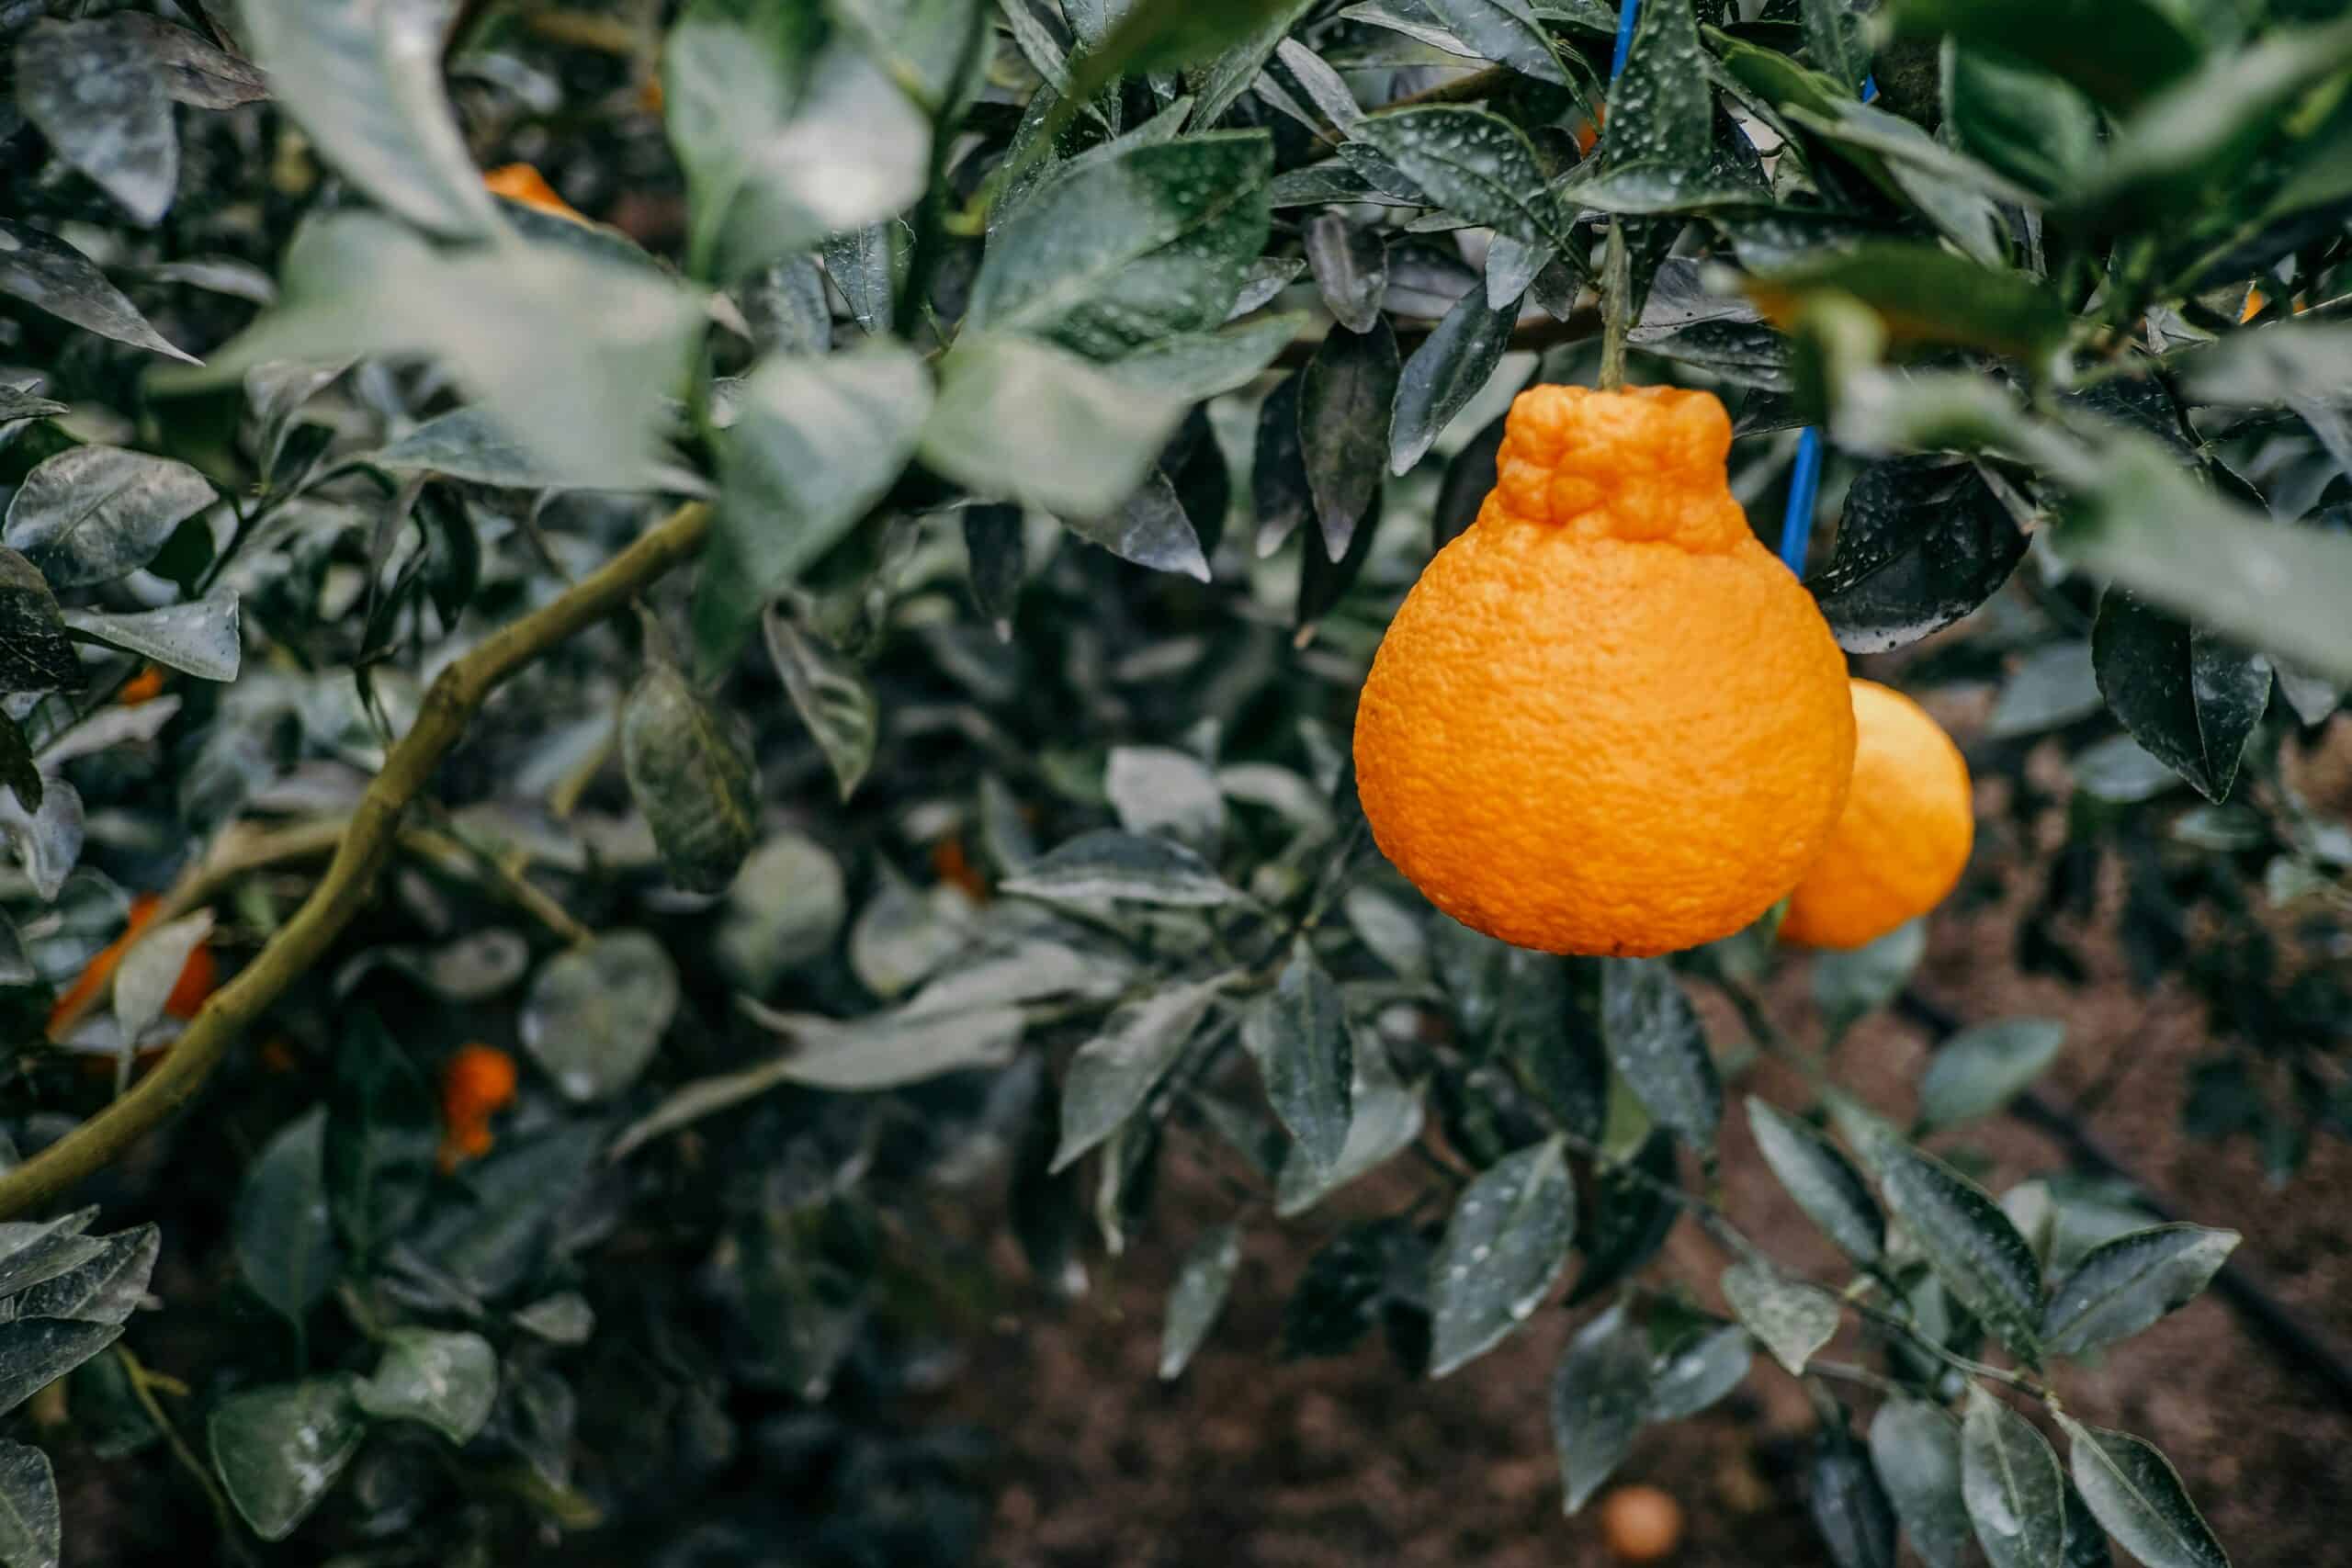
(1628, 13)
(1804, 479)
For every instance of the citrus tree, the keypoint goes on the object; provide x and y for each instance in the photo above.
(576, 777)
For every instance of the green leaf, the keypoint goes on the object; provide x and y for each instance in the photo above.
(192, 71)
(1790, 1318)
(1217, 84)
(831, 696)
(107, 1288)
(2120, 51)
(881, 1051)
(2120, 772)
(1021, 420)
(90, 88)
(867, 266)
(2122, 1286)
(1953, 191)
(1693, 1375)
(50, 275)
(1848, 1505)
(1159, 789)
(2025, 123)
(47, 838)
(1150, 527)
(1600, 1393)
(31, 1252)
(787, 309)
(1823, 1182)
(1385, 1118)
(2188, 696)
(1201, 1285)
(198, 637)
(1849, 985)
(26, 782)
(755, 96)
(1922, 294)
(1345, 396)
(468, 444)
(2011, 1483)
(1504, 31)
(1656, 1042)
(1351, 266)
(1980, 1070)
(1477, 166)
(1445, 374)
(151, 969)
(21, 401)
(1300, 1039)
(1196, 366)
(1112, 1073)
(94, 514)
(1975, 1249)
(2054, 686)
(382, 1131)
(691, 772)
(1833, 41)
(1661, 108)
(443, 1379)
(1345, 1284)
(284, 1245)
(1633, 1208)
(35, 655)
(785, 909)
(1113, 253)
(1111, 864)
(30, 1532)
(595, 1015)
(36, 1351)
(572, 355)
(1922, 542)
(1506, 1243)
(280, 1447)
(816, 444)
(506, 1234)
(365, 83)
(2136, 1493)
(1915, 1447)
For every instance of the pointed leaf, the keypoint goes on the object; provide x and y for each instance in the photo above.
(1823, 1182)
(93, 513)
(47, 273)
(1445, 374)
(150, 968)
(1692, 1377)
(1849, 1505)
(1599, 1393)
(279, 1448)
(105, 1289)
(2011, 1483)
(1111, 864)
(1351, 266)
(1975, 1248)
(1112, 1073)
(1915, 1447)
(690, 770)
(1979, 1070)
(1384, 1118)
(1922, 542)
(1656, 1042)
(2122, 1286)
(828, 693)
(2188, 696)
(1345, 396)
(1300, 1039)
(2136, 1493)
(198, 637)
(1198, 1297)
(1474, 164)
(1790, 1318)
(1020, 420)
(1150, 527)
(91, 89)
(1506, 1243)
(192, 71)
(47, 838)
(286, 1250)
(36, 1351)
(35, 655)
(1193, 367)
(1504, 31)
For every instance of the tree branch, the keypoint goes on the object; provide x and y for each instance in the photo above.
(455, 697)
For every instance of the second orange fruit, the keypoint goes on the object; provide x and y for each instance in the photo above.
(1606, 720)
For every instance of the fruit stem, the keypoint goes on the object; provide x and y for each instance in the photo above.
(1616, 301)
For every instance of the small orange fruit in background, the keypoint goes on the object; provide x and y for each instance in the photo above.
(521, 182)
(1640, 1524)
(477, 1082)
(143, 687)
(1906, 834)
(1606, 720)
(197, 980)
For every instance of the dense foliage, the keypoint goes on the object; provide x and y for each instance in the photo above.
(1043, 406)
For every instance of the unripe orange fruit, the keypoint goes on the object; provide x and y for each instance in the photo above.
(1905, 833)
(1606, 720)
(1640, 1524)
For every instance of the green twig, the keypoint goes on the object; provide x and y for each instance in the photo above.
(144, 1384)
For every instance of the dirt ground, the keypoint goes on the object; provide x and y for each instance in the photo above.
(1249, 1463)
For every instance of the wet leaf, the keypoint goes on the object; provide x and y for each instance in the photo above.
(1848, 1505)
(1021, 420)
(1449, 370)
(447, 1381)
(1384, 1118)
(1975, 1248)
(1656, 1042)
(1345, 396)
(1692, 1376)
(1299, 1038)
(2188, 697)
(280, 1447)
(787, 309)
(1922, 542)
(885, 1050)
(1198, 1297)
(1112, 1073)
(865, 265)
(816, 444)
(1351, 266)
(1477, 166)
(36, 1351)
(1600, 1393)
(1979, 1070)
(2135, 1493)
(35, 655)
(690, 770)
(1111, 864)
(468, 444)
(43, 1250)
(2011, 1481)
(1789, 1317)
(90, 88)
(1926, 295)
(831, 696)
(93, 513)
(30, 1531)
(1194, 367)
(364, 82)
(1219, 84)
(1506, 1243)
(1823, 1182)
(1151, 528)
(596, 1015)
(48, 273)
(2123, 1285)
(1915, 1449)
(1504, 31)
(105, 1288)
(284, 1243)
(198, 637)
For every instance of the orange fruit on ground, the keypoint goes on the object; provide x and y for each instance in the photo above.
(1906, 834)
(1606, 720)
(1640, 1524)
(521, 182)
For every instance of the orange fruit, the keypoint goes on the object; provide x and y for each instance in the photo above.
(477, 1082)
(1640, 1524)
(1905, 833)
(194, 983)
(521, 182)
(1606, 720)
(143, 687)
